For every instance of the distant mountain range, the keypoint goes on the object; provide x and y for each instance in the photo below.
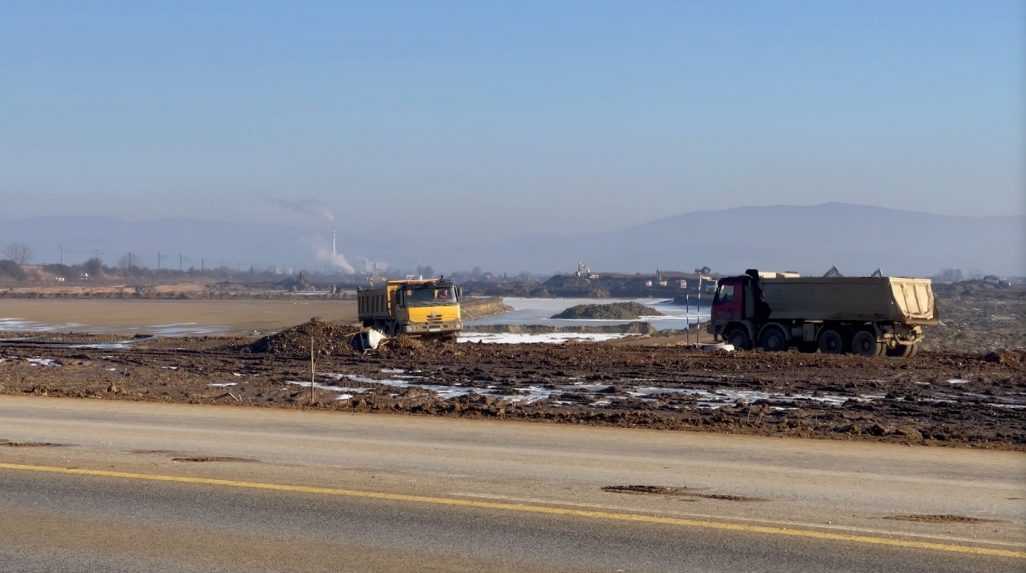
(857, 239)
(809, 239)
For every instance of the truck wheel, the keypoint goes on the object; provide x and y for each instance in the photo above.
(831, 342)
(903, 351)
(864, 342)
(773, 339)
(739, 338)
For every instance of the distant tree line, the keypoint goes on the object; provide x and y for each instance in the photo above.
(94, 269)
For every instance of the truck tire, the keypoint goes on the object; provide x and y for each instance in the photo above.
(808, 347)
(773, 339)
(865, 343)
(739, 338)
(903, 351)
(832, 341)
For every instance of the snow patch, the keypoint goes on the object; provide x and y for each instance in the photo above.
(545, 338)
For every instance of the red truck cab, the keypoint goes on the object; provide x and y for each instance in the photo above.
(728, 307)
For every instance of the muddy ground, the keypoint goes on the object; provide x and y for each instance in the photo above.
(946, 398)
(978, 317)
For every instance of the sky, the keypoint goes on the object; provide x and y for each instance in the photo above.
(502, 118)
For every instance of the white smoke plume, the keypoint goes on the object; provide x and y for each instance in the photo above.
(323, 214)
(308, 207)
(338, 260)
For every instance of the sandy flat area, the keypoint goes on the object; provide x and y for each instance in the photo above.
(221, 316)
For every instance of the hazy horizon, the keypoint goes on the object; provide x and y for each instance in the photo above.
(808, 238)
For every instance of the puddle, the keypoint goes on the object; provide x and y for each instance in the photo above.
(326, 387)
(1009, 406)
(170, 329)
(224, 384)
(20, 325)
(122, 345)
(600, 394)
(44, 362)
(36, 342)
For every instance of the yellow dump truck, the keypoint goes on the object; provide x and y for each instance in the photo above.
(413, 306)
(871, 316)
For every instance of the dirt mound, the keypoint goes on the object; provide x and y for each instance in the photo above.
(328, 338)
(475, 308)
(614, 311)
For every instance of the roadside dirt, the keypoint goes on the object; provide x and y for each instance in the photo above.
(947, 398)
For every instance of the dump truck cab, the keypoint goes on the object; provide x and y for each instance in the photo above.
(728, 303)
(412, 306)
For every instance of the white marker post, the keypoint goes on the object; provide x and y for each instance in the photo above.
(311, 369)
(687, 316)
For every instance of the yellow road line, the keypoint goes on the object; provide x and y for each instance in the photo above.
(532, 508)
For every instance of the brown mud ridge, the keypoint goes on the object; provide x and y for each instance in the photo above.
(949, 398)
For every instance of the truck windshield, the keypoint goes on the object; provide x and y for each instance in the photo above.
(429, 295)
(724, 294)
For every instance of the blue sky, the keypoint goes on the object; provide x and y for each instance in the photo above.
(509, 116)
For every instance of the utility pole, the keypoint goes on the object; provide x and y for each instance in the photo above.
(699, 304)
(203, 265)
(702, 271)
(687, 316)
(61, 248)
(179, 262)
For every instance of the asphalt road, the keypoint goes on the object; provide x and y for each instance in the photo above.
(303, 491)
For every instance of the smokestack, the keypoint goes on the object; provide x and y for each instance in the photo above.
(334, 251)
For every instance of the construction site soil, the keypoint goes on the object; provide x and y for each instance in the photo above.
(613, 311)
(936, 398)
